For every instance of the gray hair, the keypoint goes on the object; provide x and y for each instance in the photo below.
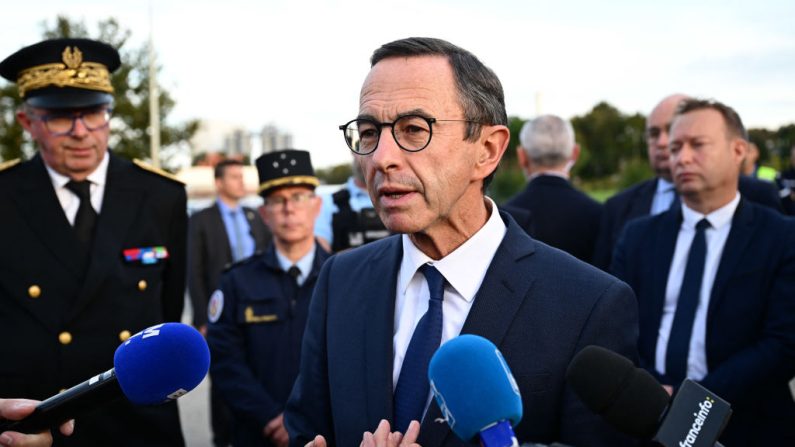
(547, 140)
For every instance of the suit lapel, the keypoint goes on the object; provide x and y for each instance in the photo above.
(642, 206)
(119, 207)
(380, 312)
(39, 204)
(218, 228)
(661, 256)
(496, 304)
(740, 236)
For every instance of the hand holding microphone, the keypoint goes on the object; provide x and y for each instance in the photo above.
(154, 366)
(16, 409)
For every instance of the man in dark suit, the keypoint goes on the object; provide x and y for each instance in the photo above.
(93, 245)
(217, 236)
(654, 196)
(430, 132)
(563, 217)
(715, 279)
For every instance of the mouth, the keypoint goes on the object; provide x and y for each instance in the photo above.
(394, 195)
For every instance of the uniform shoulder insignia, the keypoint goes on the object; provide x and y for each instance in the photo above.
(9, 164)
(147, 167)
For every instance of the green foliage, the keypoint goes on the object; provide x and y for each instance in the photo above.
(774, 145)
(130, 123)
(606, 137)
(334, 175)
(634, 171)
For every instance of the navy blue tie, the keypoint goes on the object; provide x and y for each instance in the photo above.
(682, 328)
(411, 392)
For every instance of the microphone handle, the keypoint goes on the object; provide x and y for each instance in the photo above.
(67, 405)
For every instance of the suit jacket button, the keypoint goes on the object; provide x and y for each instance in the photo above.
(124, 335)
(65, 338)
(142, 285)
(34, 291)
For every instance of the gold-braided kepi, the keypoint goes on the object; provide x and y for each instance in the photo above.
(63, 73)
(288, 167)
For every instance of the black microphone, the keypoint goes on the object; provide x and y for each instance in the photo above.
(634, 403)
(154, 366)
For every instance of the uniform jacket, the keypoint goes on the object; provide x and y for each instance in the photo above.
(209, 253)
(750, 338)
(563, 217)
(256, 341)
(60, 324)
(636, 201)
(539, 305)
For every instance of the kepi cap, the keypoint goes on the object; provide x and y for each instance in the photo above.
(288, 167)
(63, 73)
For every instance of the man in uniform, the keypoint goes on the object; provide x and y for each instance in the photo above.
(258, 314)
(347, 218)
(93, 245)
(219, 235)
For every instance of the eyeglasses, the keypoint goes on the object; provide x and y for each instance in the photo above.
(59, 124)
(299, 199)
(411, 132)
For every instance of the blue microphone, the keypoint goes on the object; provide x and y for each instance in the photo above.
(476, 391)
(154, 366)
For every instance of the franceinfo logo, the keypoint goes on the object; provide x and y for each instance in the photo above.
(698, 423)
(696, 417)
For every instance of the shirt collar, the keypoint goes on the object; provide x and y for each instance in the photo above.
(98, 177)
(304, 264)
(466, 266)
(225, 209)
(664, 186)
(717, 219)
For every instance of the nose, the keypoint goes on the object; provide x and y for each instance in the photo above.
(662, 140)
(79, 128)
(387, 155)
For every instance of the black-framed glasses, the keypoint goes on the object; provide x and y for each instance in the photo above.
(412, 133)
(299, 199)
(59, 124)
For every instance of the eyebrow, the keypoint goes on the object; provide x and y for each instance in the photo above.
(420, 112)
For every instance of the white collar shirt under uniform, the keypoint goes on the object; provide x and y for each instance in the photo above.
(716, 235)
(663, 197)
(304, 264)
(463, 269)
(69, 200)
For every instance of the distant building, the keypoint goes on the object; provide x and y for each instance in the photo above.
(236, 141)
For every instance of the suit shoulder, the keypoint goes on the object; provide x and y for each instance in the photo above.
(159, 173)
(9, 165)
(364, 254)
(628, 194)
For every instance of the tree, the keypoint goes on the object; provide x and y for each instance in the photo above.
(130, 123)
(609, 138)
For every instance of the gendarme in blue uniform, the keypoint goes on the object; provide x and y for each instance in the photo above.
(255, 332)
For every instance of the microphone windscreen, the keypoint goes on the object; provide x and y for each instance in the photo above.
(627, 398)
(473, 385)
(161, 363)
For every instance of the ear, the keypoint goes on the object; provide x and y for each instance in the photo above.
(575, 154)
(317, 204)
(521, 158)
(24, 120)
(492, 144)
(739, 148)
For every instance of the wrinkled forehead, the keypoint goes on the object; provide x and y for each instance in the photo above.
(399, 85)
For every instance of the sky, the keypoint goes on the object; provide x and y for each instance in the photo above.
(300, 64)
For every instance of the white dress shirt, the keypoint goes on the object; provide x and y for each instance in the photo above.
(69, 200)
(663, 197)
(720, 224)
(464, 270)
